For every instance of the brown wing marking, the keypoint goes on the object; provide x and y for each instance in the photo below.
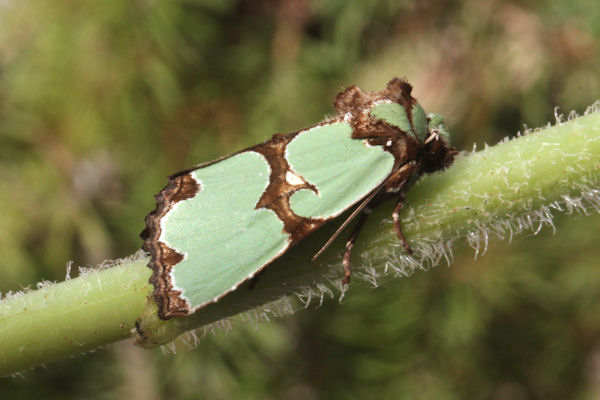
(170, 303)
(276, 196)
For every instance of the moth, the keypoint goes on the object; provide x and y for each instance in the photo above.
(219, 224)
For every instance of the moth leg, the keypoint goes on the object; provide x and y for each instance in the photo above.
(350, 244)
(397, 227)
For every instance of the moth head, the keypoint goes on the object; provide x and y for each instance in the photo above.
(437, 152)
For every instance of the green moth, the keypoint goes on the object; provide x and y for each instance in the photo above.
(219, 224)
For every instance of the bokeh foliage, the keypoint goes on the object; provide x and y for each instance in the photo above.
(100, 100)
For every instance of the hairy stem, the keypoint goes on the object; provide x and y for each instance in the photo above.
(496, 192)
(57, 320)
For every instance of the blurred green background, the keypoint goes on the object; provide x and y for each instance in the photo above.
(100, 100)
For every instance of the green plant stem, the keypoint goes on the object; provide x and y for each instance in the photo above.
(499, 191)
(74, 316)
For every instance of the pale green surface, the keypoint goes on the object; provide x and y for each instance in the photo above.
(394, 114)
(419, 121)
(73, 316)
(223, 237)
(343, 169)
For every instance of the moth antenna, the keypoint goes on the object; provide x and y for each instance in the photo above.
(346, 222)
(434, 135)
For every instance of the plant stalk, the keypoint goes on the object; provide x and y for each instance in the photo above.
(513, 186)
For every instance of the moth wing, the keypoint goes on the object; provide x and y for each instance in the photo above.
(342, 169)
(224, 240)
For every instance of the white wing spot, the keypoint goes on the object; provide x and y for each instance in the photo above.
(377, 102)
(389, 143)
(293, 179)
